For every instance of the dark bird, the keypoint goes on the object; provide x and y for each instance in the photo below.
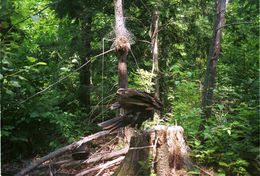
(139, 106)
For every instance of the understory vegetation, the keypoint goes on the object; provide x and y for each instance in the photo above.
(43, 41)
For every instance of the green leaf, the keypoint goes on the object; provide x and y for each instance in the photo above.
(197, 142)
(34, 114)
(193, 172)
(229, 132)
(223, 164)
(31, 59)
(15, 83)
(221, 107)
(9, 92)
(41, 63)
(229, 153)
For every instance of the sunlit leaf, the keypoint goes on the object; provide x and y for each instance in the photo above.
(15, 83)
(31, 59)
(41, 63)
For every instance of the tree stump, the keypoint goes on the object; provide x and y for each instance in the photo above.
(137, 158)
(178, 150)
(170, 149)
(162, 167)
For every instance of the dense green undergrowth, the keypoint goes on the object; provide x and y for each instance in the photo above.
(38, 49)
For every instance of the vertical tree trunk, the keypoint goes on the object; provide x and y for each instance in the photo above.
(84, 76)
(209, 80)
(121, 44)
(122, 47)
(155, 52)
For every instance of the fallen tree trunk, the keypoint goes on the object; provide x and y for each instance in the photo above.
(60, 151)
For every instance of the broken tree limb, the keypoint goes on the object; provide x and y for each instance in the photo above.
(61, 151)
(102, 166)
(107, 156)
(96, 159)
(55, 164)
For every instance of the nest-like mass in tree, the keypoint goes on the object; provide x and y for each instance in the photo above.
(122, 43)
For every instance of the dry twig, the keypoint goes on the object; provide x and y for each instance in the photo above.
(102, 166)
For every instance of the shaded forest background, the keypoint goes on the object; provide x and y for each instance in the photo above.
(43, 41)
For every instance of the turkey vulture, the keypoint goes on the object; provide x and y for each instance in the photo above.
(139, 107)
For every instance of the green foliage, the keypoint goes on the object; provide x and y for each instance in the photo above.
(37, 49)
(227, 140)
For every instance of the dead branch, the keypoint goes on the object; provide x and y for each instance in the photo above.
(102, 166)
(95, 159)
(106, 157)
(55, 164)
(61, 151)
(204, 170)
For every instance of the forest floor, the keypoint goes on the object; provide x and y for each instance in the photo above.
(67, 165)
(97, 162)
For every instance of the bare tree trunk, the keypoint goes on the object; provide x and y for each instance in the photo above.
(121, 44)
(122, 47)
(155, 52)
(209, 80)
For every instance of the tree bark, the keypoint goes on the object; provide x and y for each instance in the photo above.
(137, 157)
(155, 53)
(170, 153)
(209, 80)
(122, 47)
(162, 154)
(122, 44)
(84, 75)
(178, 149)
